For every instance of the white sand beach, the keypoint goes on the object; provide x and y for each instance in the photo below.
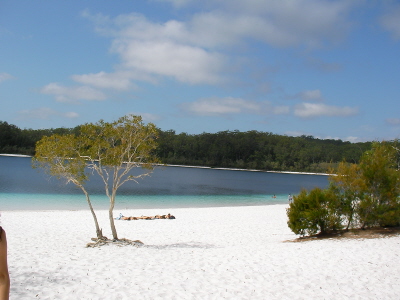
(205, 253)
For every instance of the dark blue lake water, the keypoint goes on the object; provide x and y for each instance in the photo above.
(24, 188)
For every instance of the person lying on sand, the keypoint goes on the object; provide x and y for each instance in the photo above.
(169, 216)
(122, 217)
(129, 218)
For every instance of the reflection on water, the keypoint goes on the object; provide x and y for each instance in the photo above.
(22, 187)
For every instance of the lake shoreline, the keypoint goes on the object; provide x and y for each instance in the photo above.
(248, 170)
(212, 168)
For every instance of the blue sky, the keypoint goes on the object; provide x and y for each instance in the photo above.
(330, 69)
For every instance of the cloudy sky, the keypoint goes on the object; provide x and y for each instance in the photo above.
(330, 69)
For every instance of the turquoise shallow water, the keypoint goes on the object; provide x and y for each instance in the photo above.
(24, 188)
(78, 202)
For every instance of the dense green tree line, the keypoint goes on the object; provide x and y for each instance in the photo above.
(14, 140)
(228, 149)
(256, 150)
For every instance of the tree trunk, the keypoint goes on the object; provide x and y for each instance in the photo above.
(99, 232)
(350, 220)
(110, 215)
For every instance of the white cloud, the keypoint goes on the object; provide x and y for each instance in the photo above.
(5, 76)
(176, 3)
(118, 80)
(391, 21)
(354, 139)
(185, 63)
(72, 94)
(45, 113)
(280, 109)
(71, 115)
(192, 51)
(155, 50)
(221, 106)
(226, 106)
(393, 121)
(279, 23)
(313, 95)
(311, 110)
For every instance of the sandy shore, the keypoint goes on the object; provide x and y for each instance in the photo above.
(205, 253)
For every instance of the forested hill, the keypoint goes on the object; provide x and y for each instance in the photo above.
(256, 150)
(14, 140)
(227, 149)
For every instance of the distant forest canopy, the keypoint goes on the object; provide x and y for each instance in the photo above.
(225, 149)
(14, 140)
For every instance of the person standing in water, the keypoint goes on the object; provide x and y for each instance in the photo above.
(290, 198)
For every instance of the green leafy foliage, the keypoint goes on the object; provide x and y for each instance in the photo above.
(60, 156)
(313, 212)
(360, 195)
(380, 205)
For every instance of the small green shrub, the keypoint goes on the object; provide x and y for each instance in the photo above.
(314, 212)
